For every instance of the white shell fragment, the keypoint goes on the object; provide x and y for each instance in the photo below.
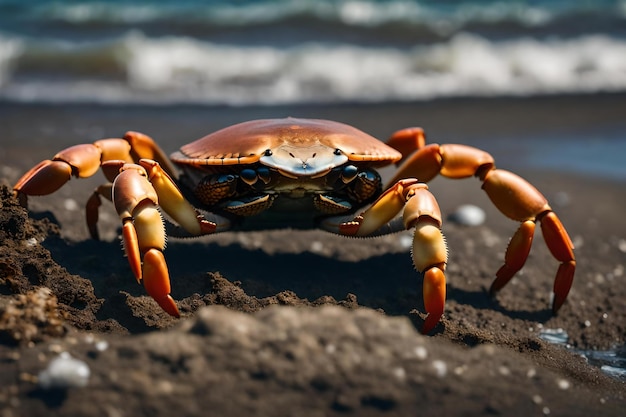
(64, 372)
(468, 215)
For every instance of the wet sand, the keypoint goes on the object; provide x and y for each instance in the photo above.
(249, 272)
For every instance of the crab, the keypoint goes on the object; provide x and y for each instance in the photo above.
(298, 173)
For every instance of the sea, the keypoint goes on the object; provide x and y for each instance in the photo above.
(265, 52)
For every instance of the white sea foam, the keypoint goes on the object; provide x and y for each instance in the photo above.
(10, 49)
(137, 68)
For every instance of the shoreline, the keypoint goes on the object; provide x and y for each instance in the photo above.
(514, 112)
(582, 133)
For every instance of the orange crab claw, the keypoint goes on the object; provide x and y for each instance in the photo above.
(156, 281)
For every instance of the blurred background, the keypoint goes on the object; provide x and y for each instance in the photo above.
(303, 51)
(545, 78)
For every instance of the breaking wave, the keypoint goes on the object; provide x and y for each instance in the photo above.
(138, 68)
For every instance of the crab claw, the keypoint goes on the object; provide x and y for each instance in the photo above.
(143, 233)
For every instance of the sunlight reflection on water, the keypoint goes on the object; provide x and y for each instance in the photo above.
(612, 362)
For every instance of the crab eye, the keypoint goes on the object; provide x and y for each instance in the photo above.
(337, 151)
(248, 175)
(268, 152)
(264, 174)
(348, 173)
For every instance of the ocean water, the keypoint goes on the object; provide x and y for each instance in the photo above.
(302, 51)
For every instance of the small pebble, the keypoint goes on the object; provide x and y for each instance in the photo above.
(468, 215)
(421, 352)
(64, 372)
(399, 373)
(441, 369)
(70, 204)
(563, 384)
(317, 246)
(102, 345)
(460, 370)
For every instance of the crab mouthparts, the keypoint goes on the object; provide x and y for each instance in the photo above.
(294, 161)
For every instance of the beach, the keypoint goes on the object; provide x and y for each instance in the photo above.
(494, 353)
(302, 322)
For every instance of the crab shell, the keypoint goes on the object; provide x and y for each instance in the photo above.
(295, 147)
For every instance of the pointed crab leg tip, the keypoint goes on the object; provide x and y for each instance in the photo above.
(563, 284)
(429, 324)
(557, 304)
(493, 291)
(494, 288)
(169, 305)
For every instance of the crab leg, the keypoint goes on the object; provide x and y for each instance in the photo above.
(48, 176)
(137, 192)
(385, 208)
(143, 233)
(135, 200)
(429, 253)
(144, 147)
(512, 195)
(83, 161)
